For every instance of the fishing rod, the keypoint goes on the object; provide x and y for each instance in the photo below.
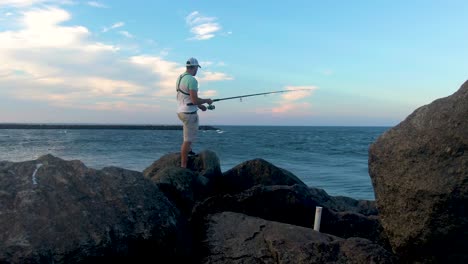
(212, 107)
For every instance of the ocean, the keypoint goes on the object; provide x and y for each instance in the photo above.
(331, 158)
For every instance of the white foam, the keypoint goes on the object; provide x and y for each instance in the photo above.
(34, 181)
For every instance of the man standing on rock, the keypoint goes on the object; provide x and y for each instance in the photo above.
(188, 103)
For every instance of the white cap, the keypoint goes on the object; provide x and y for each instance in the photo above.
(192, 62)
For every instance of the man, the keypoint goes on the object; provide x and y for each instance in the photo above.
(188, 104)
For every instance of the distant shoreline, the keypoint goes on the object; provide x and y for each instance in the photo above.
(90, 126)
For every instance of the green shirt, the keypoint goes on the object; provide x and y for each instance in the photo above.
(187, 83)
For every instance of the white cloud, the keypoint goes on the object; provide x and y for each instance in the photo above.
(208, 93)
(289, 104)
(114, 26)
(97, 46)
(297, 109)
(299, 92)
(96, 4)
(202, 27)
(123, 107)
(164, 52)
(195, 18)
(42, 29)
(26, 3)
(215, 76)
(126, 34)
(205, 31)
(166, 71)
(99, 86)
(45, 59)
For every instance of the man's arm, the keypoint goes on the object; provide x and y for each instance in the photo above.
(197, 100)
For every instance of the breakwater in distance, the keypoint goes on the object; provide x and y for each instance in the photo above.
(95, 126)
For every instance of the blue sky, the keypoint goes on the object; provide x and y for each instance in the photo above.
(366, 62)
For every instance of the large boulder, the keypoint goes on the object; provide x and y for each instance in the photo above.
(56, 211)
(419, 170)
(255, 172)
(237, 238)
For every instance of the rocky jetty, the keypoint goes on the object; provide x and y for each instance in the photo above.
(59, 211)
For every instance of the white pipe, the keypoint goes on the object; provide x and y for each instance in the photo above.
(318, 217)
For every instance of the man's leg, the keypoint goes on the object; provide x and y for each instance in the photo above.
(184, 150)
(190, 129)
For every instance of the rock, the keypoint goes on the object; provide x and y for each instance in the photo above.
(206, 164)
(342, 203)
(288, 204)
(56, 211)
(166, 161)
(255, 172)
(178, 184)
(237, 238)
(419, 170)
(293, 205)
(349, 224)
(185, 186)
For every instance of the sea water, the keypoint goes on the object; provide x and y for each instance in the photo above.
(332, 158)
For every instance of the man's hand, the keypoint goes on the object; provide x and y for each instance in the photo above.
(202, 107)
(209, 101)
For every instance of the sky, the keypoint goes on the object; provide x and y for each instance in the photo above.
(363, 63)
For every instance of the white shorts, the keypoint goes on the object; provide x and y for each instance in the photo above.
(190, 126)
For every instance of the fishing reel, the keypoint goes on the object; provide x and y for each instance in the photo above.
(211, 107)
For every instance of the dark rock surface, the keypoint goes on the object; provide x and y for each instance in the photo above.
(343, 203)
(237, 238)
(205, 164)
(186, 186)
(256, 172)
(419, 170)
(292, 205)
(179, 185)
(56, 211)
